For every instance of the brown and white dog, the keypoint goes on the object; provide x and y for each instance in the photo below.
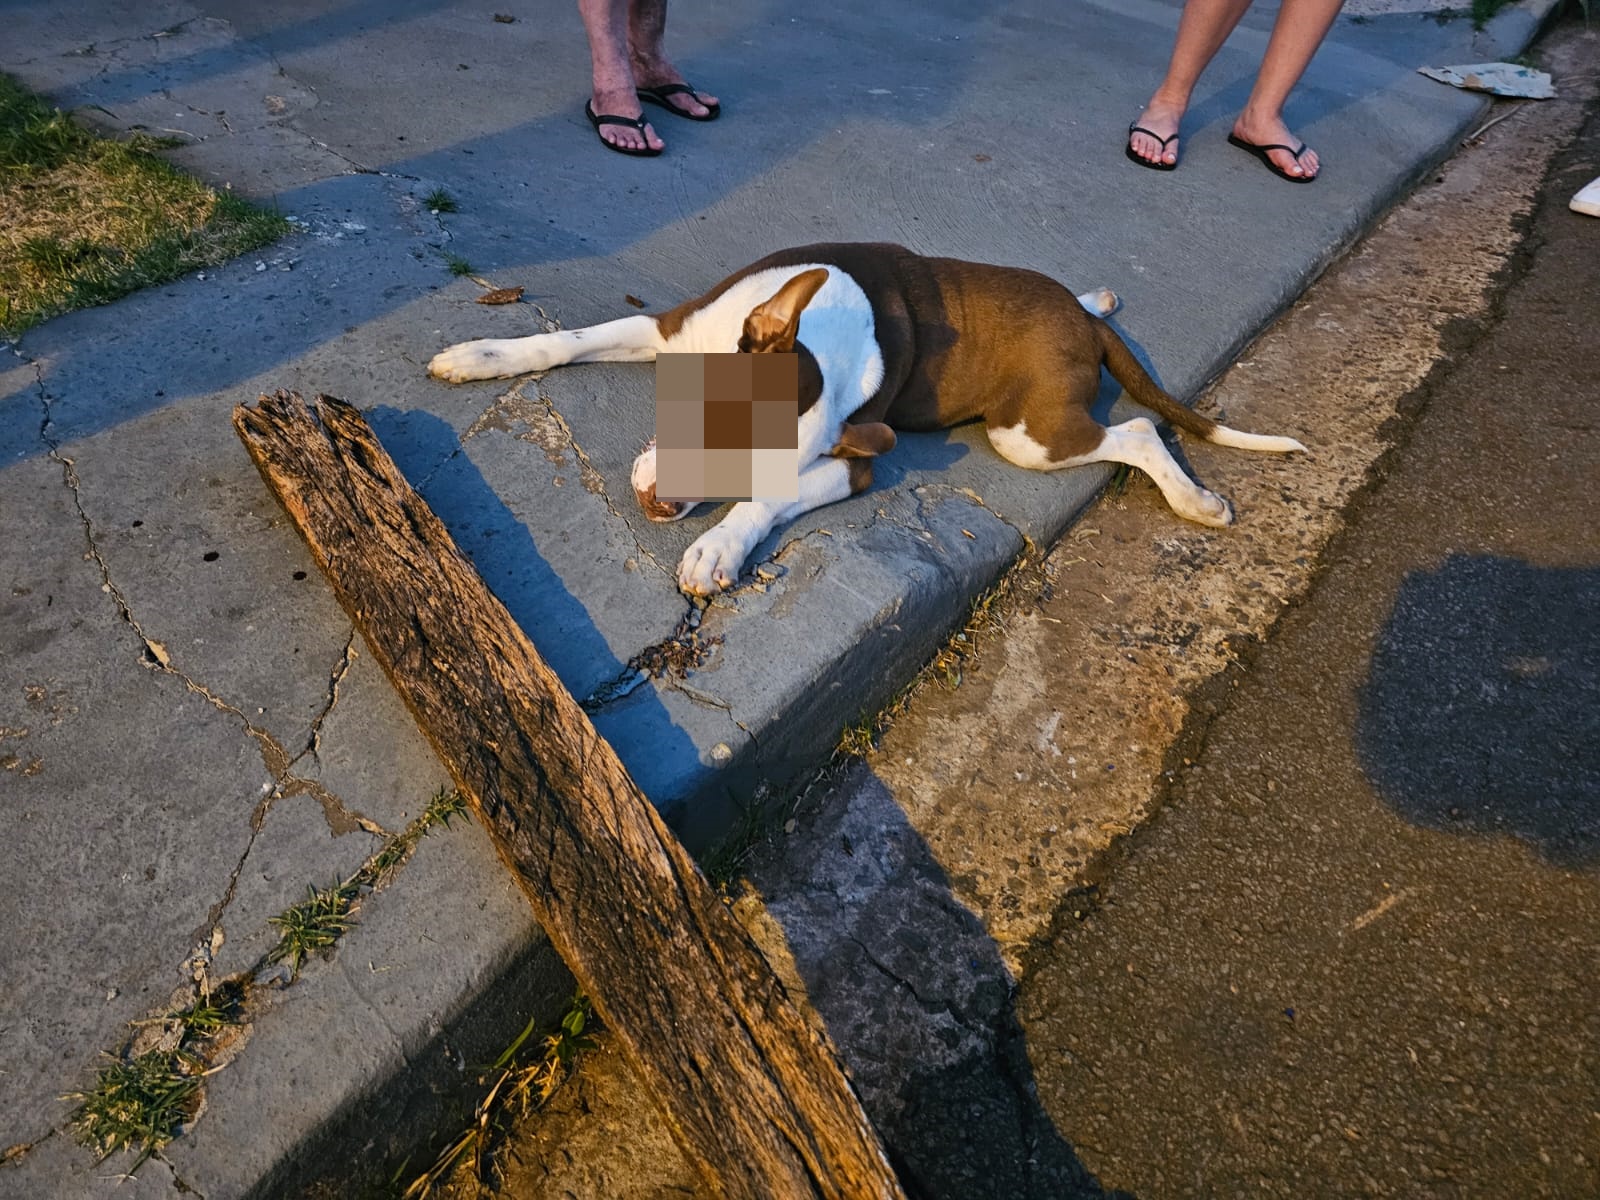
(888, 339)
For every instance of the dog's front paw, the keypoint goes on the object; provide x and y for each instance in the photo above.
(712, 563)
(487, 358)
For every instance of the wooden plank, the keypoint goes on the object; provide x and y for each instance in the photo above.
(754, 1092)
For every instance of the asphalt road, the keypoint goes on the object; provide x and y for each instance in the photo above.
(1357, 953)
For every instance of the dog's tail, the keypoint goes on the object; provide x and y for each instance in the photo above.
(1127, 371)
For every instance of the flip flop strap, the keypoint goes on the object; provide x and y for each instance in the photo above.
(1289, 150)
(1132, 129)
(670, 89)
(612, 119)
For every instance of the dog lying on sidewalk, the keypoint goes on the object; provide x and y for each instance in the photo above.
(888, 339)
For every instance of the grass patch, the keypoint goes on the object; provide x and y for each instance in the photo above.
(457, 265)
(314, 924)
(141, 1100)
(441, 201)
(323, 917)
(519, 1086)
(85, 220)
(138, 1105)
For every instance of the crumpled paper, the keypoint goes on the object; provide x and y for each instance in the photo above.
(1496, 78)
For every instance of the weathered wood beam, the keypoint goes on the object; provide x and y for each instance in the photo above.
(754, 1092)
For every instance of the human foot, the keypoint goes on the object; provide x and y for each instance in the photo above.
(1269, 140)
(681, 100)
(1153, 138)
(658, 80)
(634, 137)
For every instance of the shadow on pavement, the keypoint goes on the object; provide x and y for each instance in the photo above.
(1474, 713)
(916, 996)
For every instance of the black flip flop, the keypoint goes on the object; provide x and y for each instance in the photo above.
(1261, 153)
(599, 119)
(658, 95)
(1157, 165)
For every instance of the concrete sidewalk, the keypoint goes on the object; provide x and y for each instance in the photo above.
(191, 731)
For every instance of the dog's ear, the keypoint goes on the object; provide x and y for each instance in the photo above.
(867, 440)
(771, 327)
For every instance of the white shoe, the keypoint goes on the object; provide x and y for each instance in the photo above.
(1588, 199)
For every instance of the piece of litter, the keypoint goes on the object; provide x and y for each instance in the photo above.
(1496, 78)
(1587, 201)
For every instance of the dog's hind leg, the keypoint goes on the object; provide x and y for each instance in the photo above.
(629, 339)
(1135, 443)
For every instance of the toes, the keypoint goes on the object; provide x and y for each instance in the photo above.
(1288, 162)
(629, 140)
(460, 363)
(1214, 510)
(710, 565)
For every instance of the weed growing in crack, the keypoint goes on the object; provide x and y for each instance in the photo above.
(141, 1103)
(321, 919)
(138, 1105)
(518, 1088)
(314, 924)
(446, 803)
(457, 265)
(440, 201)
(206, 1016)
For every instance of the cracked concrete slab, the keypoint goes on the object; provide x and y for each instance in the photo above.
(121, 831)
(59, 1166)
(379, 1040)
(369, 751)
(348, 119)
(293, 850)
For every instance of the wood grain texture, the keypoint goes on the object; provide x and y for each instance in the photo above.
(754, 1092)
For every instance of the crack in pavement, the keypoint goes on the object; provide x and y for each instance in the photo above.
(314, 741)
(681, 652)
(155, 657)
(594, 482)
(184, 1187)
(10, 1156)
(904, 983)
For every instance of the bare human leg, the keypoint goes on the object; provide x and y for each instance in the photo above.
(1202, 28)
(1299, 30)
(647, 27)
(608, 24)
